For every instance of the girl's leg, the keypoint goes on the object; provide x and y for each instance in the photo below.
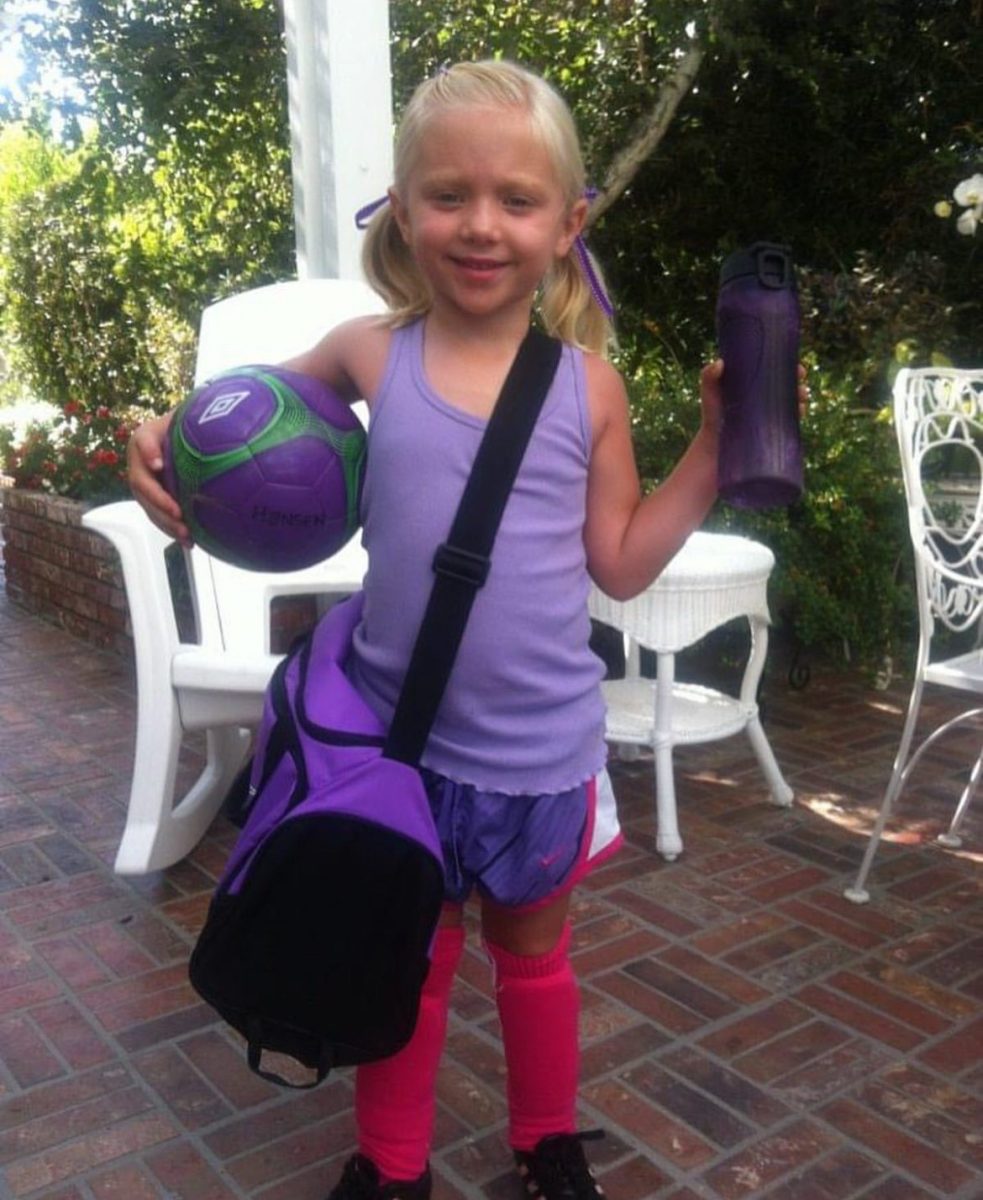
(538, 1004)
(395, 1099)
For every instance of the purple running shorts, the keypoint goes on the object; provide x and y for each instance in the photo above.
(520, 851)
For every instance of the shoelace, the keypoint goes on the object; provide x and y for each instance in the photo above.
(563, 1157)
(359, 1183)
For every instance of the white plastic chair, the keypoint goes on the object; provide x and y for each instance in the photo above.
(938, 417)
(216, 684)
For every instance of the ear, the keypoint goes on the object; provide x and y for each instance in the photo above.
(399, 214)
(573, 225)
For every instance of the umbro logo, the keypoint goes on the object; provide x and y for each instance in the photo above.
(221, 406)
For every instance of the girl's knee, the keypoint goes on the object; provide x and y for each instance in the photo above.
(451, 915)
(535, 931)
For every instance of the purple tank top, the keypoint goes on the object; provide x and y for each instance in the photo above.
(523, 711)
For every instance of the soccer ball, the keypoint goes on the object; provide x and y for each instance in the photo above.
(267, 466)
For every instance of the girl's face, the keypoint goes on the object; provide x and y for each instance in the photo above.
(483, 211)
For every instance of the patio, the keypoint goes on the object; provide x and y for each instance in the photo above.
(746, 1031)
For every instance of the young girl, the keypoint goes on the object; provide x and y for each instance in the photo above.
(481, 227)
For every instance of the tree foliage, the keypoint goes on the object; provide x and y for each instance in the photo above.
(607, 58)
(189, 97)
(174, 188)
(831, 127)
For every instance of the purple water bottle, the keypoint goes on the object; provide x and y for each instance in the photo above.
(760, 464)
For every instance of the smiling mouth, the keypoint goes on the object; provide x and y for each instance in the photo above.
(486, 265)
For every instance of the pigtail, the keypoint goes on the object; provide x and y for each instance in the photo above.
(570, 310)
(391, 269)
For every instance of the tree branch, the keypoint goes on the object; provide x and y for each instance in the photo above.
(626, 164)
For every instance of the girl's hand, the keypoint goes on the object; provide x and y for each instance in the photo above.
(145, 461)
(711, 397)
(803, 392)
(711, 394)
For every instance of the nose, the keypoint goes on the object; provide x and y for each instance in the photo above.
(480, 219)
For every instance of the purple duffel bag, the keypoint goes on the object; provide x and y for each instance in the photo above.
(317, 940)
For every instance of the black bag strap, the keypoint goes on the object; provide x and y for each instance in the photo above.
(461, 563)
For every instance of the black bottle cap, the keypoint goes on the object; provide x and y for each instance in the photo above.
(770, 262)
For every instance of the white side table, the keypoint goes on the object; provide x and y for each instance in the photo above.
(713, 579)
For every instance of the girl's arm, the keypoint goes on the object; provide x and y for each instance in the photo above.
(630, 538)
(350, 359)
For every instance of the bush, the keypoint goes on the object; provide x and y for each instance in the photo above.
(81, 323)
(73, 282)
(81, 453)
(840, 585)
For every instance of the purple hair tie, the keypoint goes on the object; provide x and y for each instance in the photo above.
(593, 282)
(601, 297)
(367, 211)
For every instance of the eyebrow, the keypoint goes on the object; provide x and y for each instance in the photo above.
(451, 180)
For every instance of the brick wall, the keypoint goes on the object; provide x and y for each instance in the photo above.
(71, 576)
(62, 572)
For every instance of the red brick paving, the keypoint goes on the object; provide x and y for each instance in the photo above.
(746, 1031)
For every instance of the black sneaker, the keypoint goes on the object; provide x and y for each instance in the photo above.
(360, 1181)
(557, 1169)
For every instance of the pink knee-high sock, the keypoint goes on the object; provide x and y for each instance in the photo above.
(538, 1005)
(395, 1098)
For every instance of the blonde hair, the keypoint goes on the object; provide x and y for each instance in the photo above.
(567, 304)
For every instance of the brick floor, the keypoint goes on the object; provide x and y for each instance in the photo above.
(746, 1031)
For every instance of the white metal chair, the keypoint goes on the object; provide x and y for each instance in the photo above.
(216, 684)
(938, 417)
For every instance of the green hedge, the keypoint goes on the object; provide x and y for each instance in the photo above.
(841, 584)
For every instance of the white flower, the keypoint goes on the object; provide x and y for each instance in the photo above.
(970, 219)
(969, 193)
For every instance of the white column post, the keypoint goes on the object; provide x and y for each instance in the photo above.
(340, 98)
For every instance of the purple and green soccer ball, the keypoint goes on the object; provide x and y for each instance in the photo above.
(267, 466)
